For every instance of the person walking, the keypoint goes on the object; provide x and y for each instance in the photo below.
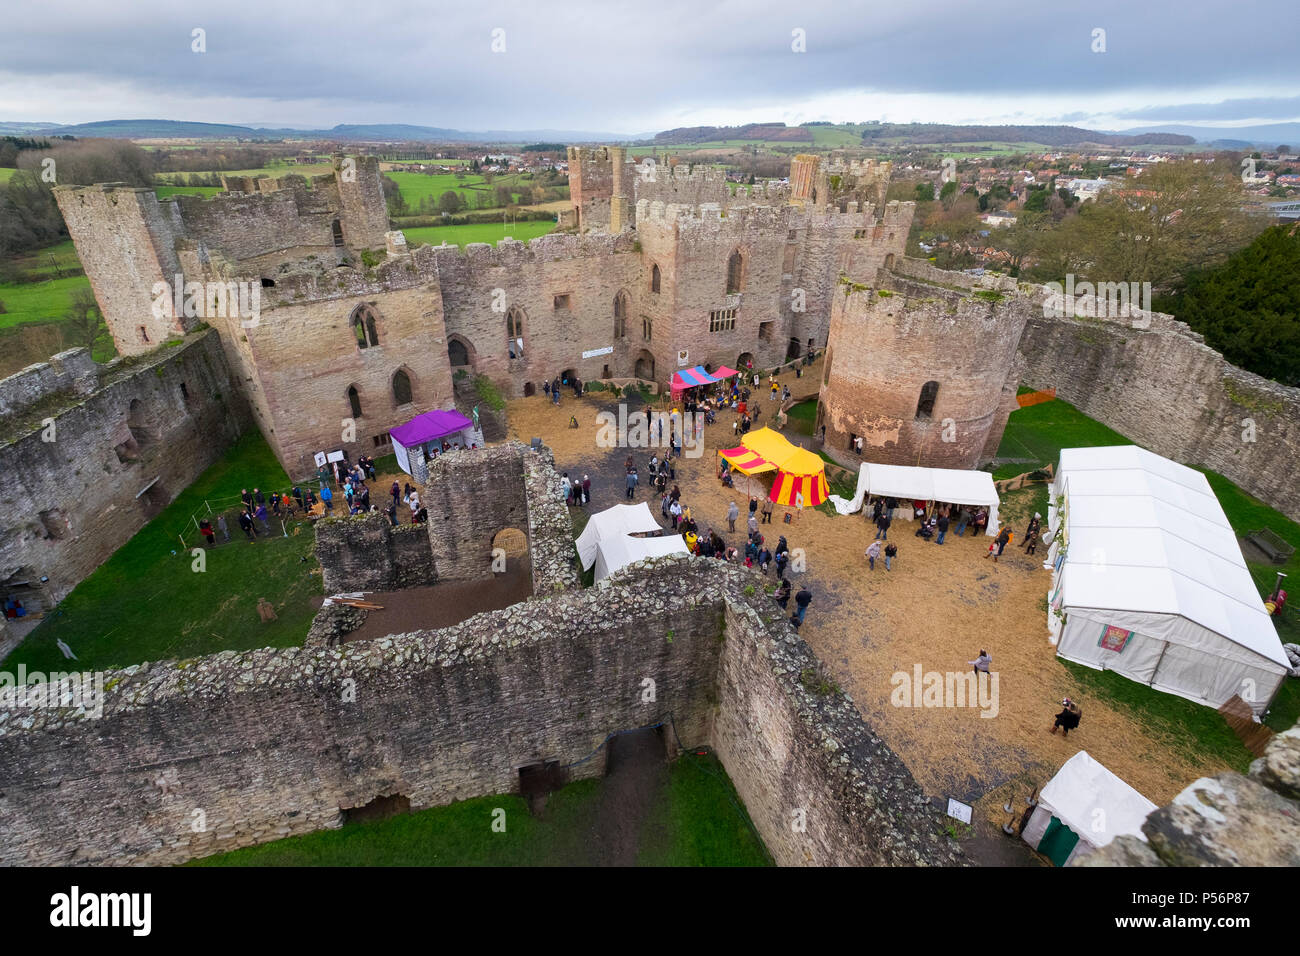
(782, 594)
(801, 600)
(1031, 533)
(873, 552)
(205, 526)
(732, 514)
(566, 488)
(586, 489)
(1001, 541)
(675, 512)
(942, 525)
(767, 511)
(882, 526)
(246, 525)
(753, 523)
(391, 511)
(963, 519)
(981, 663)
(631, 483)
(891, 552)
(221, 526)
(327, 496)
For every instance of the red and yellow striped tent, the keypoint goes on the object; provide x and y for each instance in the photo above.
(746, 461)
(801, 473)
(798, 471)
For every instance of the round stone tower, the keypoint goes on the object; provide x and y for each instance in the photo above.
(924, 375)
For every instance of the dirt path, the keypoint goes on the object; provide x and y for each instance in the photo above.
(637, 775)
(938, 607)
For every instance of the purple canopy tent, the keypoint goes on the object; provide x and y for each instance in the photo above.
(421, 430)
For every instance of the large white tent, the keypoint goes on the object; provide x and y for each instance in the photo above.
(1083, 808)
(908, 483)
(607, 540)
(1149, 581)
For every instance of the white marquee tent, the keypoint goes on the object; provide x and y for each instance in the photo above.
(1083, 808)
(1149, 581)
(908, 483)
(607, 540)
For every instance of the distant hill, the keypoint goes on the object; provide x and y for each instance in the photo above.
(380, 132)
(900, 134)
(1268, 135)
(17, 129)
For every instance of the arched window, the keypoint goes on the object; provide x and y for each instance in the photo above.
(620, 315)
(354, 401)
(735, 272)
(647, 327)
(925, 405)
(654, 278)
(401, 388)
(515, 332)
(363, 326)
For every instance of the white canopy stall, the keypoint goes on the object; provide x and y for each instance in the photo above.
(607, 540)
(1084, 807)
(1149, 581)
(908, 483)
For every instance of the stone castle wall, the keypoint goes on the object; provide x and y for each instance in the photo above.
(201, 756)
(72, 371)
(1165, 389)
(118, 456)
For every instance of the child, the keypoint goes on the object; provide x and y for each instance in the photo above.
(872, 552)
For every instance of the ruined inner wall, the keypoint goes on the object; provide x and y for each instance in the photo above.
(366, 553)
(275, 742)
(886, 343)
(471, 495)
(1165, 389)
(153, 424)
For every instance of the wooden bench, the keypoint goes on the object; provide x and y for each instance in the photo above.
(1272, 544)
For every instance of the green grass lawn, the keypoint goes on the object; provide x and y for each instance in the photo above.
(477, 232)
(802, 417)
(38, 301)
(6, 174)
(146, 602)
(416, 186)
(698, 822)
(47, 262)
(277, 170)
(165, 191)
(1039, 432)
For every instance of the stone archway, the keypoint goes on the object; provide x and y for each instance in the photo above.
(645, 365)
(461, 353)
(743, 360)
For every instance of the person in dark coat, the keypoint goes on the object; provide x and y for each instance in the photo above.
(1068, 718)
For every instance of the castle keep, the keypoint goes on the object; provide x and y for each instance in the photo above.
(354, 332)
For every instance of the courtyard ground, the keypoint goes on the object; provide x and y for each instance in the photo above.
(938, 607)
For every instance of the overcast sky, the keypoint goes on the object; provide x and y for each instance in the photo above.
(633, 67)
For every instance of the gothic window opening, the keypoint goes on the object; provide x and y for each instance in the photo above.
(401, 388)
(354, 401)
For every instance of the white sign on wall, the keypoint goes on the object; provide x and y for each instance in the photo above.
(959, 811)
(683, 358)
(594, 352)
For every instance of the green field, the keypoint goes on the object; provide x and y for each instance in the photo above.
(698, 821)
(147, 603)
(279, 169)
(27, 302)
(6, 174)
(416, 186)
(165, 191)
(476, 232)
(1039, 432)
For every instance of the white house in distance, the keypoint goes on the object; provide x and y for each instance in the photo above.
(1149, 580)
